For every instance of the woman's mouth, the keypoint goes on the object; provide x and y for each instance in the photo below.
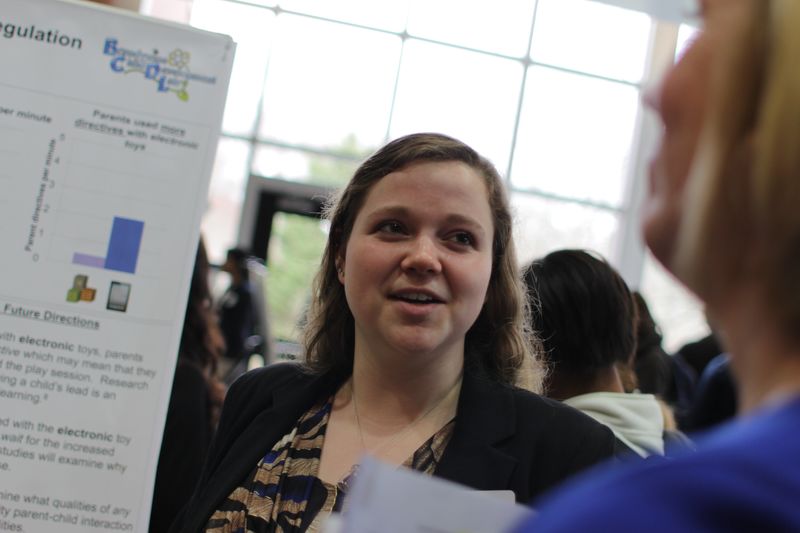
(415, 297)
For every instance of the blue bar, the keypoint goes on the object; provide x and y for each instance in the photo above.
(123, 246)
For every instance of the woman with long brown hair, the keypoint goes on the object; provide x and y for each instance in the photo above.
(416, 337)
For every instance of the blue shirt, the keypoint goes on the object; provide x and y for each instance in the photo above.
(744, 477)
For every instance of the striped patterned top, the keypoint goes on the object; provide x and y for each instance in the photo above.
(283, 493)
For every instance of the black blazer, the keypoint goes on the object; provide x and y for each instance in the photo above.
(504, 438)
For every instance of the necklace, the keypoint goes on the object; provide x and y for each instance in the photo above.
(396, 437)
(347, 479)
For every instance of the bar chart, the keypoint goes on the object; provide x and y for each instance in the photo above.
(123, 247)
(81, 203)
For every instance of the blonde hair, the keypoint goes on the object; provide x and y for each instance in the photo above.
(743, 194)
(500, 342)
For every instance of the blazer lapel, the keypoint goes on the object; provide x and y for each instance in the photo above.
(288, 403)
(485, 417)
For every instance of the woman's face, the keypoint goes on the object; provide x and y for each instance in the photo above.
(681, 102)
(418, 261)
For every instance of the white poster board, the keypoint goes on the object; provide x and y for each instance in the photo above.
(108, 127)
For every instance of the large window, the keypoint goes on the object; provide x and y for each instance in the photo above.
(549, 90)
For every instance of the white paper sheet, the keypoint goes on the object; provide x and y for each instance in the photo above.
(385, 499)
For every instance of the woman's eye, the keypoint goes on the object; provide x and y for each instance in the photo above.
(391, 227)
(462, 237)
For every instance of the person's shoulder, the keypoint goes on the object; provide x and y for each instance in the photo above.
(257, 389)
(632, 497)
(558, 430)
(555, 414)
(704, 491)
(245, 289)
(739, 475)
(275, 372)
(269, 377)
(556, 441)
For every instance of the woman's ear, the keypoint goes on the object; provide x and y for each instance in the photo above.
(340, 270)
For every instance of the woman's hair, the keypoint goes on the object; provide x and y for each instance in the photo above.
(742, 217)
(648, 333)
(651, 363)
(499, 341)
(584, 312)
(200, 341)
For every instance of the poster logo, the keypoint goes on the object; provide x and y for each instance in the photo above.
(170, 73)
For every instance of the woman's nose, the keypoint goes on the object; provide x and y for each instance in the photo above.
(422, 257)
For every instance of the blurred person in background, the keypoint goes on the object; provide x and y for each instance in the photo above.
(652, 363)
(716, 398)
(722, 215)
(194, 404)
(585, 314)
(237, 315)
(697, 354)
(668, 377)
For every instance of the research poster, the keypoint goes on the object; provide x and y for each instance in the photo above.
(108, 128)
